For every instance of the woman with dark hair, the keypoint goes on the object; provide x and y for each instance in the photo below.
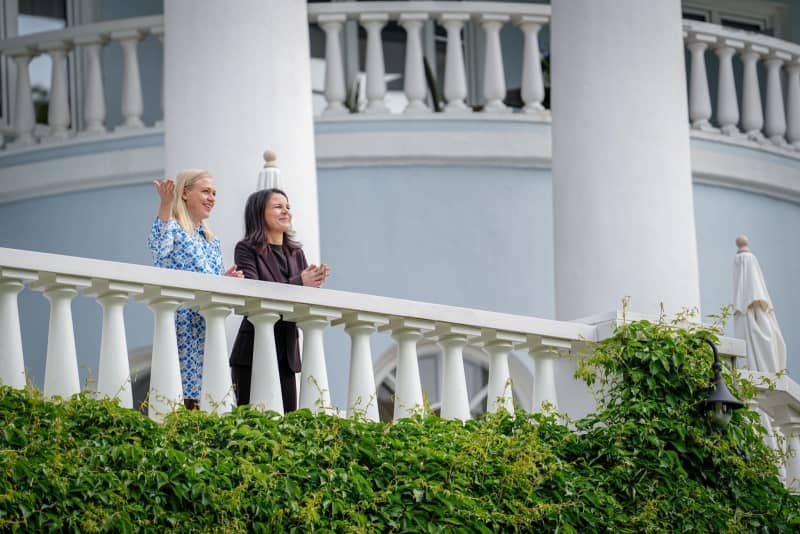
(268, 252)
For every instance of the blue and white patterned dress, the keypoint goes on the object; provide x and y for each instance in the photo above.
(173, 248)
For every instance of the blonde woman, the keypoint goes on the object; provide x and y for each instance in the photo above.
(181, 239)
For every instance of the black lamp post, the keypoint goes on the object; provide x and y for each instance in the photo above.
(720, 404)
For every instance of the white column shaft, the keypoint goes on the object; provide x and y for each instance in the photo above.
(793, 104)
(792, 464)
(61, 367)
(216, 393)
(12, 364)
(314, 391)
(24, 117)
(58, 110)
(455, 78)
(132, 103)
(335, 92)
(414, 83)
(775, 116)
(494, 78)
(408, 387)
(699, 97)
(94, 99)
(499, 393)
(544, 381)
(361, 394)
(752, 114)
(455, 400)
(265, 380)
(727, 102)
(114, 373)
(532, 90)
(376, 72)
(166, 389)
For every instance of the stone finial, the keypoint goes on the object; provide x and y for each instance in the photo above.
(743, 243)
(270, 159)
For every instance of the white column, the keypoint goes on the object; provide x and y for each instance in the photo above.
(94, 99)
(12, 364)
(24, 116)
(314, 390)
(699, 97)
(455, 78)
(376, 73)
(727, 102)
(494, 77)
(362, 399)
(216, 392)
(455, 399)
(265, 379)
(498, 345)
(132, 104)
(775, 123)
(58, 109)
(408, 388)
(166, 390)
(264, 46)
(335, 92)
(752, 114)
(612, 238)
(532, 90)
(414, 83)
(113, 370)
(789, 425)
(158, 33)
(793, 103)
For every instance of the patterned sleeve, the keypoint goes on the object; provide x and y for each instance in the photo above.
(218, 265)
(162, 241)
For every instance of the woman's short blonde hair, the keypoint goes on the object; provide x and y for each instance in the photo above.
(184, 182)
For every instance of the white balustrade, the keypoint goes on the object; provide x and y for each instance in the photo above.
(727, 103)
(58, 110)
(455, 78)
(494, 78)
(498, 345)
(24, 117)
(544, 351)
(408, 398)
(335, 92)
(787, 420)
(414, 85)
(793, 103)
(532, 90)
(361, 398)
(216, 392)
(775, 120)
(94, 99)
(455, 400)
(314, 390)
(132, 102)
(699, 97)
(12, 364)
(376, 72)
(752, 114)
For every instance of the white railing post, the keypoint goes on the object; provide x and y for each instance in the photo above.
(94, 100)
(335, 92)
(58, 111)
(362, 400)
(376, 72)
(455, 78)
(532, 89)
(113, 370)
(793, 102)
(61, 366)
(216, 390)
(699, 97)
(12, 364)
(166, 389)
(314, 391)
(543, 353)
(498, 345)
(414, 83)
(752, 114)
(775, 115)
(455, 399)
(132, 105)
(494, 78)
(265, 378)
(408, 399)
(788, 422)
(24, 115)
(727, 102)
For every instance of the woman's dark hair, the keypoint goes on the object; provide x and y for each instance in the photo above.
(255, 229)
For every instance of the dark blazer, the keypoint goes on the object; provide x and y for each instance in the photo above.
(264, 266)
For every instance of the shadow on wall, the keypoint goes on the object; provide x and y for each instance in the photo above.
(139, 360)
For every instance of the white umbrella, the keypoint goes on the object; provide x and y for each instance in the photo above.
(753, 314)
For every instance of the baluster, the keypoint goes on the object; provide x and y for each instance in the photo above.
(24, 115)
(499, 345)
(455, 399)
(543, 351)
(494, 78)
(58, 109)
(376, 73)
(61, 366)
(314, 391)
(414, 84)
(727, 102)
(752, 114)
(408, 391)
(113, 370)
(789, 425)
(532, 90)
(361, 393)
(216, 391)
(12, 364)
(775, 123)
(265, 379)
(699, 97)
(132, 105)
(455, 78)
(335, 92)
(158, 32)
(166, 389)
(793, 102)
(94, 100)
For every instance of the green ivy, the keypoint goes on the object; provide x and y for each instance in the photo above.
(646, 461)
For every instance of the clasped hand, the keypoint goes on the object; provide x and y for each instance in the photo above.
(314, 276)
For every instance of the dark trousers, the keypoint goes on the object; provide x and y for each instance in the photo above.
(241, 376)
